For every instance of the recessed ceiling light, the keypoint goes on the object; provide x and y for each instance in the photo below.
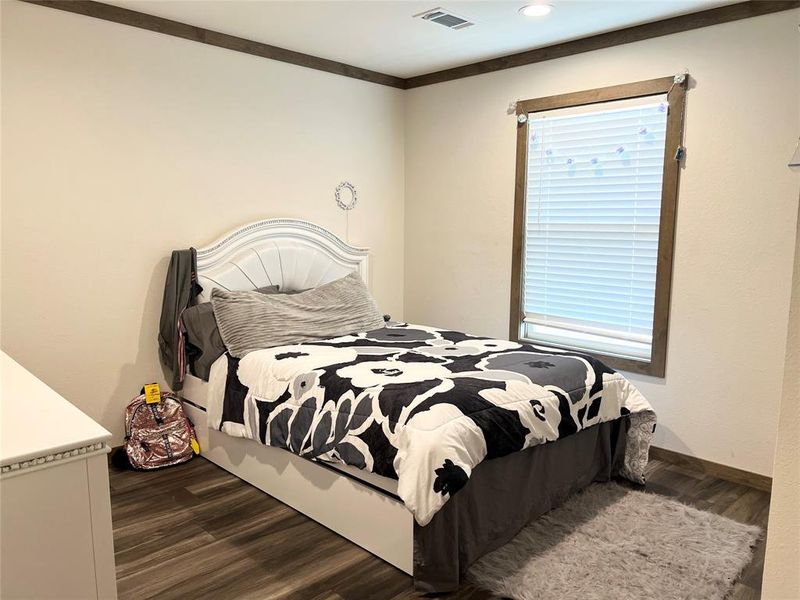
(536, 10)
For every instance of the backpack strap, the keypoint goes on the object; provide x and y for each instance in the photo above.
(156, 416)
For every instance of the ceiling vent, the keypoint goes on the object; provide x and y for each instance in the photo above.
(445, 18)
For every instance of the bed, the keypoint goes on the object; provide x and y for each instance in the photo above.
(430, 518)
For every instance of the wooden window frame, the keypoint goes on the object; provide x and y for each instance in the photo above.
(676, 94)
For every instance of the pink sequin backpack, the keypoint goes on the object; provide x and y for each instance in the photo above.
(158, 434)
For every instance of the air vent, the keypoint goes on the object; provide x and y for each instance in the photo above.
(444, 18)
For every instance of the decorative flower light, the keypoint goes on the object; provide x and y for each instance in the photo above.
(598, 167)
(648, 137)
(623, 155)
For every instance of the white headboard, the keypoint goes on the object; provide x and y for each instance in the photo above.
(291, 253)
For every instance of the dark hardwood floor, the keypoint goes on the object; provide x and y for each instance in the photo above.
(195, 531)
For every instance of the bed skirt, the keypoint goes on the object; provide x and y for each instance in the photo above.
(504, 494)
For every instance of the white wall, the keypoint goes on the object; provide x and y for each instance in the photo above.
(735, 230)
(119, 145)
(781, 568)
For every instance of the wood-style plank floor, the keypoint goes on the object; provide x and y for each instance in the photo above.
(196, 531)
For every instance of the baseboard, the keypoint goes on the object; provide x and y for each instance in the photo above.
(754, 480)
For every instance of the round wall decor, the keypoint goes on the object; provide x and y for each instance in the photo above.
(346, 196)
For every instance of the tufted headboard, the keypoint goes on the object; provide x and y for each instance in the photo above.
(291, 253)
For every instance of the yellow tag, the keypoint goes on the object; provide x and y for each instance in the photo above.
(152, 393)
(195, 446)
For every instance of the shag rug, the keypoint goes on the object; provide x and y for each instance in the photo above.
(613, 542)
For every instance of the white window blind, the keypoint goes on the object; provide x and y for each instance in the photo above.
(593, 202)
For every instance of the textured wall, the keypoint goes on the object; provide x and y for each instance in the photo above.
(735, 231)
(781, 569)
(119, 145)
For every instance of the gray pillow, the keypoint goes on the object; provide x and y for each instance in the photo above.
(249, 321)
(204, 344)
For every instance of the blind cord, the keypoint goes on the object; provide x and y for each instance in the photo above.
(680, 79)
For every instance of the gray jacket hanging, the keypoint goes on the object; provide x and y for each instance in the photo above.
(180, 291)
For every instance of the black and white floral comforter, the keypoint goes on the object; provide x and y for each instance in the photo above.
(422, 405)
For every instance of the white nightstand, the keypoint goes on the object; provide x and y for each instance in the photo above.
(56, 539)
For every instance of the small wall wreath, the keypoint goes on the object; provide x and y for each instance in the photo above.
(344, 203)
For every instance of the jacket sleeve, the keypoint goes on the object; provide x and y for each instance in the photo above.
(179, 291)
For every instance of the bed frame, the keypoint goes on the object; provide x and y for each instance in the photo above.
(360, 506)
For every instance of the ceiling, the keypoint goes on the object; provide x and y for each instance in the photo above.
(383, 36)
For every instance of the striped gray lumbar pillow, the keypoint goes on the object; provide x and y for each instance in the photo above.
(251, 321)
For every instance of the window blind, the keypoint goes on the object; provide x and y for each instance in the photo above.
(593, 203)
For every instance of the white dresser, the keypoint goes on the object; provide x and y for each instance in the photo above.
(56, 539)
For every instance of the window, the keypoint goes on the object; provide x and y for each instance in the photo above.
(597, 180)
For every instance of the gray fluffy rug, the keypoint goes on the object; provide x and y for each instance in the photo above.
(613, 542)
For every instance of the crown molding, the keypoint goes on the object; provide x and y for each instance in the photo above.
(134, 18)
(704, 18)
